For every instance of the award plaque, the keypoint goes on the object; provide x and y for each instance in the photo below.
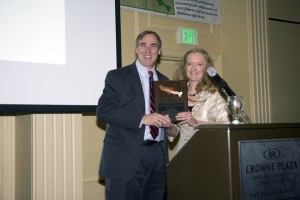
(170, 98)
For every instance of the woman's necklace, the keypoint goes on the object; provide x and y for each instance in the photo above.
(192, 100)
(197, 101)
(192, 94)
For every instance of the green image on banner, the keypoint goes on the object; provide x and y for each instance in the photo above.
(160, 6)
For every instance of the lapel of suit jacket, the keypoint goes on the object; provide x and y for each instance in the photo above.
(137, 85)
(160, 76)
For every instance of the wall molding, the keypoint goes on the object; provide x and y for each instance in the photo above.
(7, 157)
(259, 61)
(57, 156)
(175, 55)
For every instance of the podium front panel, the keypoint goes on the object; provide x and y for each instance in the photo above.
(209, 165)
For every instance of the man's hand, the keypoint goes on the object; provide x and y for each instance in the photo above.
(156, 119)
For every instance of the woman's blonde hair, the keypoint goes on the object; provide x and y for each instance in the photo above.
(207, 83)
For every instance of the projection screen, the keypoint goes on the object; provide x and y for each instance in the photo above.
(54, 54)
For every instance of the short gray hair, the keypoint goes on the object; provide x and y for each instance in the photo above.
(148, 32)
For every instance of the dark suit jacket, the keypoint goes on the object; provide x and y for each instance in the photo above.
(122, 107)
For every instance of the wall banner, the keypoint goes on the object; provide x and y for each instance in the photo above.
(207, 11)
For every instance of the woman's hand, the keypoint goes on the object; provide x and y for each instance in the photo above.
(187, 117)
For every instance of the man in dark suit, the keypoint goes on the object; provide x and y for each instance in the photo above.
(133, 162)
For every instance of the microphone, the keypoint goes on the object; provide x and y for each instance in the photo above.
(222, 84)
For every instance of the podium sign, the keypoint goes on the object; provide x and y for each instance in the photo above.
(170, 97)
(270, 169)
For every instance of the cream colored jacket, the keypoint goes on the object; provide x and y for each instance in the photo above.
(211, 108)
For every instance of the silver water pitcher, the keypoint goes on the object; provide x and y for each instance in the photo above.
(236, 105)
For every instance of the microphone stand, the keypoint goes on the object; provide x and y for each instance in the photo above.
(246, 117)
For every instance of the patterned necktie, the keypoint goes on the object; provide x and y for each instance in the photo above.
(153, 129)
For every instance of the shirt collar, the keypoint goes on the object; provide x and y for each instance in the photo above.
(143, 70)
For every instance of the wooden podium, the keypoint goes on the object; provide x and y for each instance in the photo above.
(232, 162)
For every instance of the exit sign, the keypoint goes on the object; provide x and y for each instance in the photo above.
(187, 36)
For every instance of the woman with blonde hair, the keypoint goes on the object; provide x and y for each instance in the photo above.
(205, 102)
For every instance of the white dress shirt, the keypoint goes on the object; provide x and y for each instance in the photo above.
(144, 76)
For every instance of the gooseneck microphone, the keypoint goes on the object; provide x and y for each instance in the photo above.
(221, 82)
(225, 88)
